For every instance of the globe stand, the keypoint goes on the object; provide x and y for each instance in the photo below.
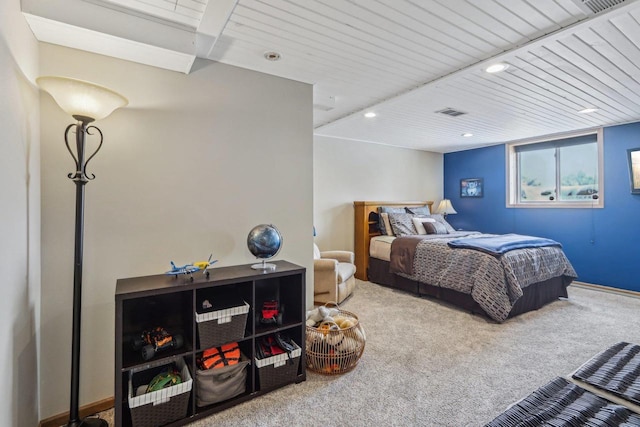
(264, 266)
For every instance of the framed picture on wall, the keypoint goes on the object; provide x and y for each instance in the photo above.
(471, 187)
(634, 169)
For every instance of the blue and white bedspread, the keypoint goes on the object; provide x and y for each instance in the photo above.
(495, 283)
(498, 245)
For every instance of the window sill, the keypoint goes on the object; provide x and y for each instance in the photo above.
(559, 205)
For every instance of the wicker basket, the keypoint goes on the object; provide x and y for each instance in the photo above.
(277, 370)
(331, 350)
(222, 326)
(162, 406)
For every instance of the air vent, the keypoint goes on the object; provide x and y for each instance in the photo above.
(451, 112)
(597, 6)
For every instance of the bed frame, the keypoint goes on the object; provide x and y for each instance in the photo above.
(366, 227)
(377, 271)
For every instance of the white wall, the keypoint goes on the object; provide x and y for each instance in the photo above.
(346, 171)
(188, 169)
(19, 219)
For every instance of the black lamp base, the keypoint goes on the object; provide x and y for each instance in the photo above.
(90, 422)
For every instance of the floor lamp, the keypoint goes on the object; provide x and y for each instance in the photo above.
(85, 102)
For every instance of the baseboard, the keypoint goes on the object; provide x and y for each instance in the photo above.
(85, 411)
(608, 289)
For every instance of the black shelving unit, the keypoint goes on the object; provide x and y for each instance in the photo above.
(168, 301)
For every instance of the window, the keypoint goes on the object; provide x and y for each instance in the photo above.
(557, 173)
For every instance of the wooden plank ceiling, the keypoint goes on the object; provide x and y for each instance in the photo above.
(407, 59)
(402, 59)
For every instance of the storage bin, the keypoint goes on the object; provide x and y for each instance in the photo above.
(280, 369)
(222, 326)
(219, 384)
(163, 406)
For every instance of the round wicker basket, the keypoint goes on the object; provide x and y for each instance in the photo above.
(333, 350)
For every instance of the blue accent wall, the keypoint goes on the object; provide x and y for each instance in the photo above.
(602, 244)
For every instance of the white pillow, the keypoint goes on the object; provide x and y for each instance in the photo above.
(387, 224)
(417, 223)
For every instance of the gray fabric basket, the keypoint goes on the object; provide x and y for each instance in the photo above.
(219, 384)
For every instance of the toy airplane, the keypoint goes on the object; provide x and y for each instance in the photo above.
(183, 269)
(192, 268)
(204, 265)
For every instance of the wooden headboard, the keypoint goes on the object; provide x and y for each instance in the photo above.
(366, 227)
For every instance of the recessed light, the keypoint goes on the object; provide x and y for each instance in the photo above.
(588, 110)
(272, 56)
(370, 114)
(467, 134)
(496, 68)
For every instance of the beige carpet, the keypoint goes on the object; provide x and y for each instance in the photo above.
(429, 364)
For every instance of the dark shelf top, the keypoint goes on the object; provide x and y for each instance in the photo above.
(162, 283)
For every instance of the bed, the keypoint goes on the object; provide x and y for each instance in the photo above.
(499, 286)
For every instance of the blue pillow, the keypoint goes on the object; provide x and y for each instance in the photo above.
(441, 220)
(386, 209)
(420, 210)
(402, 224)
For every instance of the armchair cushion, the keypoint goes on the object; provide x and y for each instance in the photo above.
(345, 271)
(333, 275)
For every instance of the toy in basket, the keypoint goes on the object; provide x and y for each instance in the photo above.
(335, 340)
(277, 360)
(159, 392)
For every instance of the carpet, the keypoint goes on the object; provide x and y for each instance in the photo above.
(427, 363)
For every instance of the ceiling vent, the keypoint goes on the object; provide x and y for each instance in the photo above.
(597, 6)
(451, 112)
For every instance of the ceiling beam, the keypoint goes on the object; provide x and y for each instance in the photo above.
(95, 28)
(215, 18)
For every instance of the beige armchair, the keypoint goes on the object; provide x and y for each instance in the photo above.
(333, 275)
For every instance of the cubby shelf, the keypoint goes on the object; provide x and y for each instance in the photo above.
(168, 301)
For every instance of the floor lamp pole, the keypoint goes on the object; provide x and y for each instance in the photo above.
(80, 178)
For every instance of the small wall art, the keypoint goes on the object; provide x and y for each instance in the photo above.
(471, 187)
(634, 169)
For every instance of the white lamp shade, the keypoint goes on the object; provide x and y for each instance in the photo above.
(82, 99)
(445, 207)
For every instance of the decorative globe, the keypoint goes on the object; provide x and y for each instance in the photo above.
(264, 241)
